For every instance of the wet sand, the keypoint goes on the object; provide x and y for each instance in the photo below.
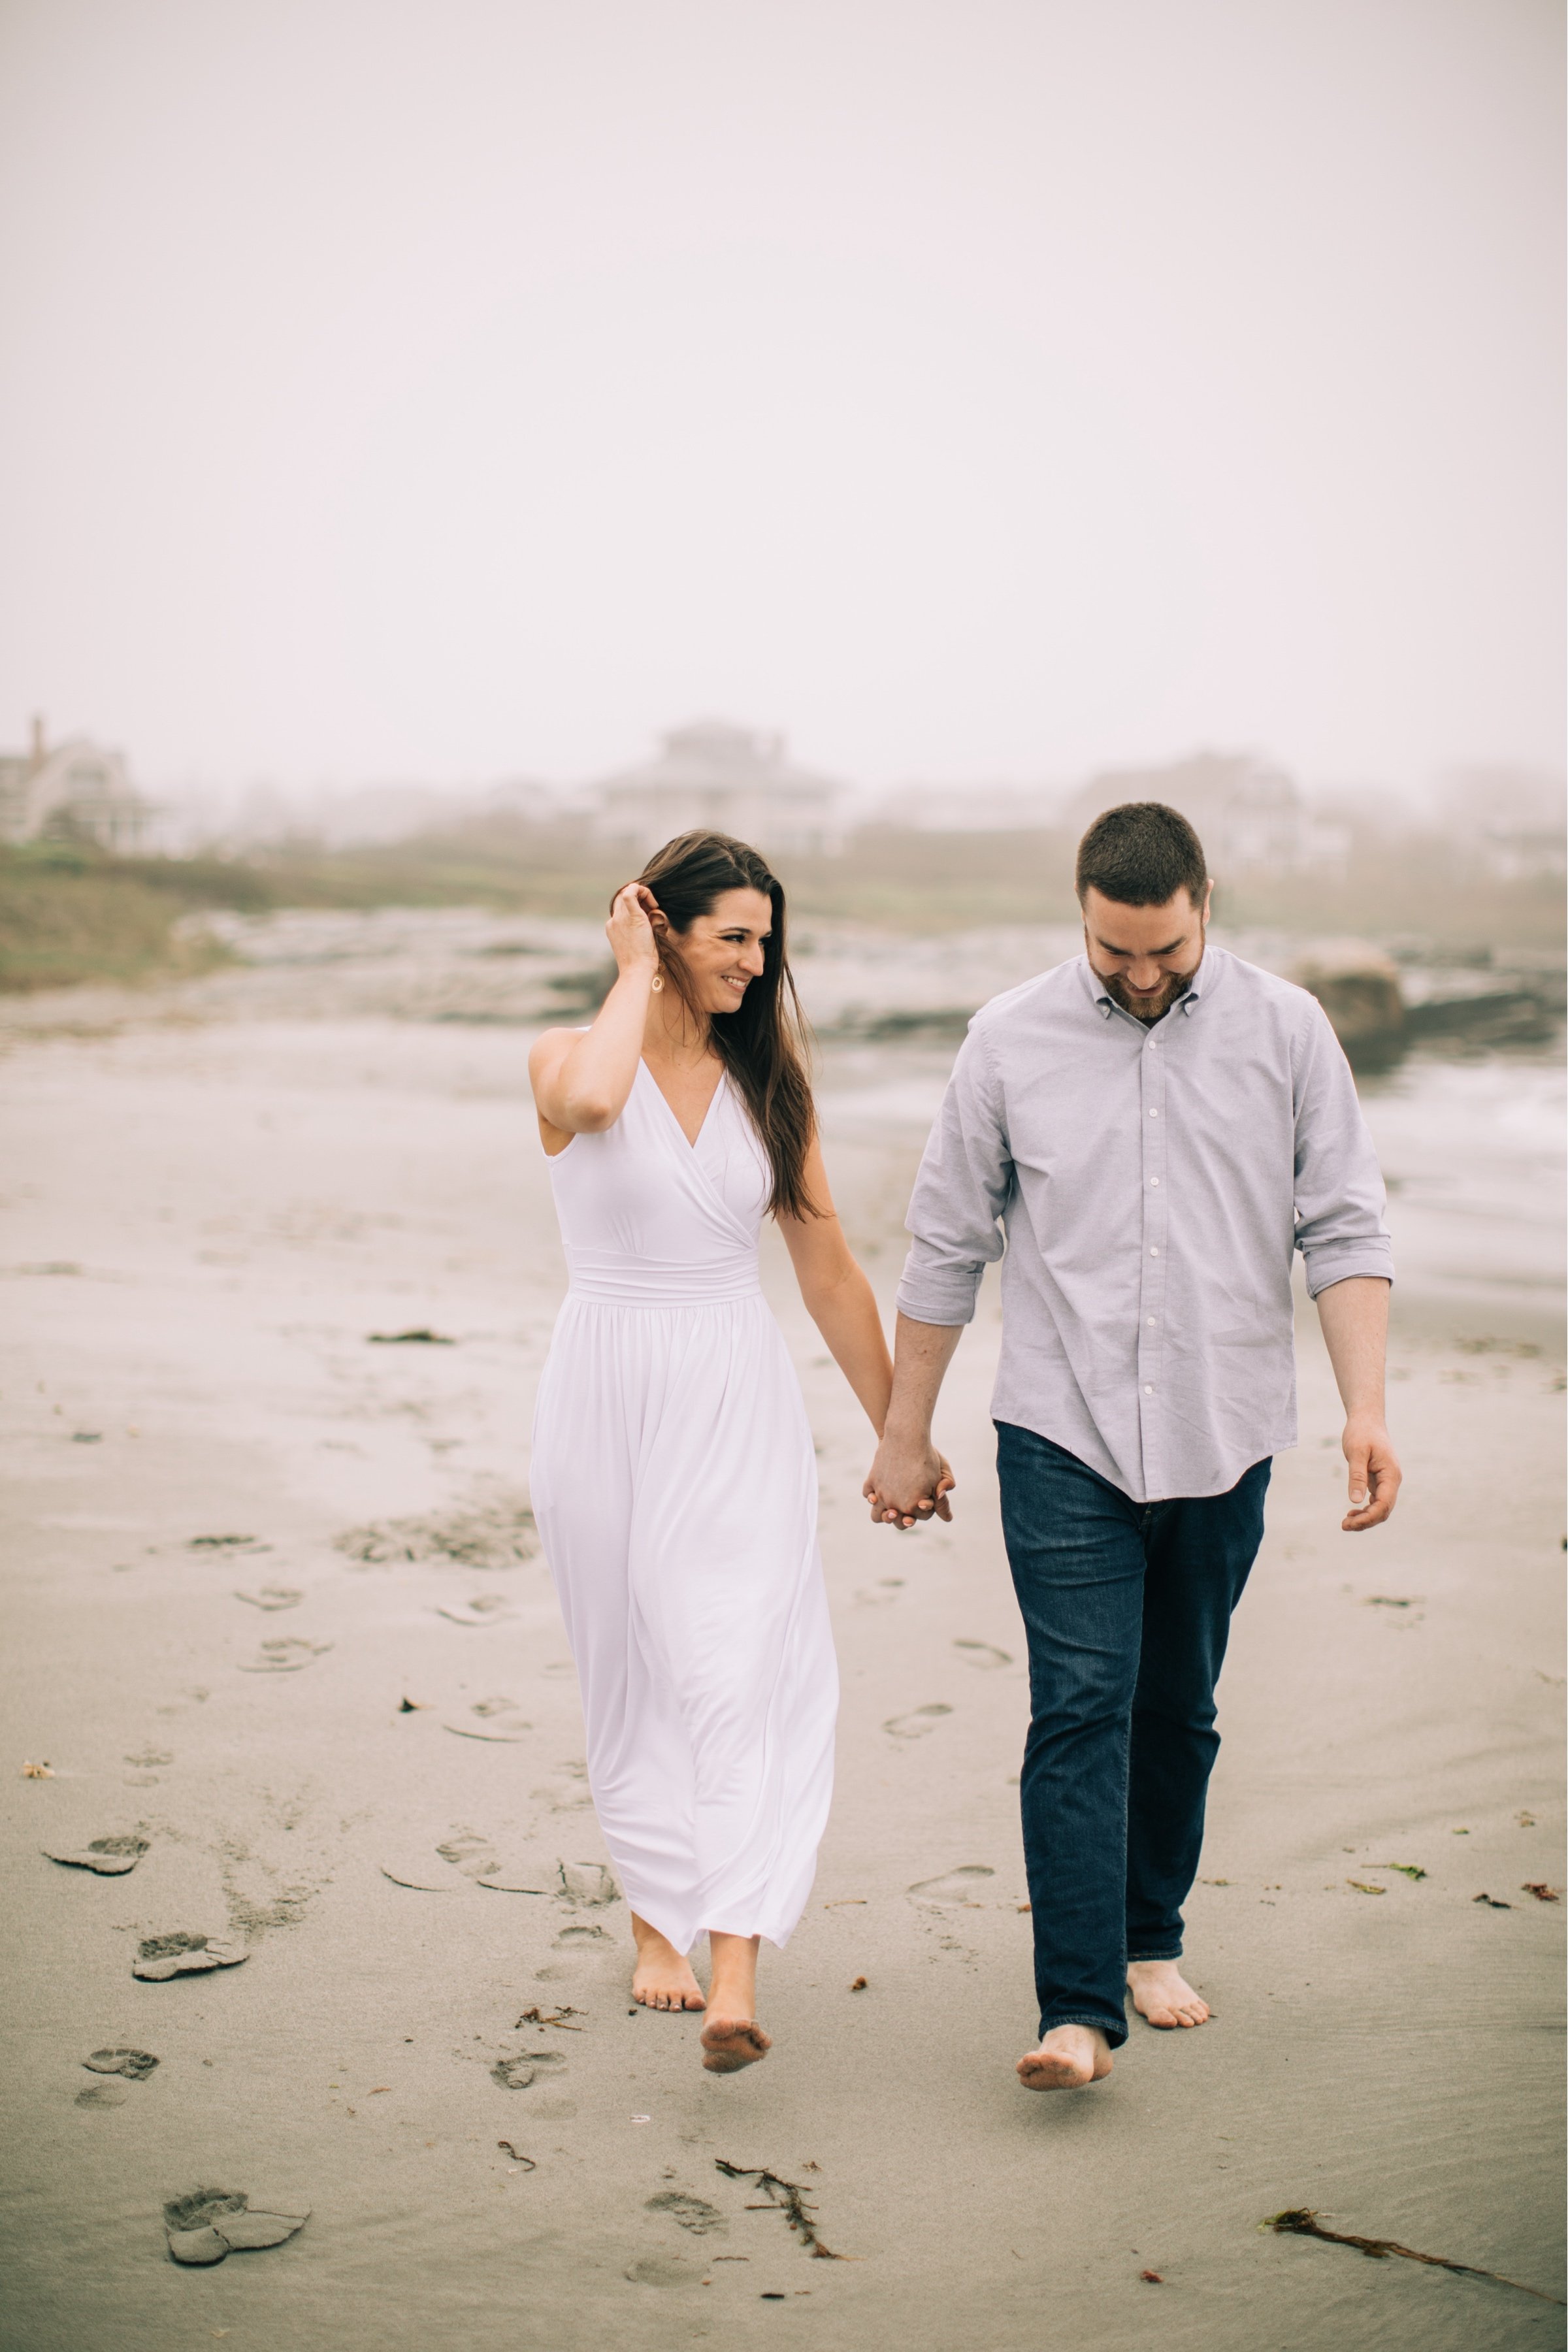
(203, 1224)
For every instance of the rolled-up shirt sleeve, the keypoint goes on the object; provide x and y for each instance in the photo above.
(1339, 1199)
(962, 1188)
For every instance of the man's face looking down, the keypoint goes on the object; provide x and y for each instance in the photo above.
(1146, 956)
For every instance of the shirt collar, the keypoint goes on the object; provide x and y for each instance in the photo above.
(1204, 982)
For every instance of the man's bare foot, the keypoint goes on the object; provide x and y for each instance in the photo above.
(1162, 1994)
(1070, 2057)
(732, 2038)
(662, 1978)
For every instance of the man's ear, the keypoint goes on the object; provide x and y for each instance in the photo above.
(1208, 901)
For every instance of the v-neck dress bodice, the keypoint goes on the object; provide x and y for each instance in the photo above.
(647, 1216)
(674, 1481)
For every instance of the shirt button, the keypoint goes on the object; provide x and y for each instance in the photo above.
(1153, 1253)
(1152, 1319)
(1153, 1180)
(1148, 1387)
(1153, 1114)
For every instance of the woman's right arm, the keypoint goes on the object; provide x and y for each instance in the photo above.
(581, 1079)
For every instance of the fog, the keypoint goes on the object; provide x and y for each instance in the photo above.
(404, 393)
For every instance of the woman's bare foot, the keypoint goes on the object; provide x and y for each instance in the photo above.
(1069, 2058)
(662, 1979)
(1162, 1994)
(731, 2037)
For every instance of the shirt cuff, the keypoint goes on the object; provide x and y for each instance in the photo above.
(950, 1303)
(1341, 1261)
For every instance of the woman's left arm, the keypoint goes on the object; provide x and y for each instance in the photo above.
(838, 1299)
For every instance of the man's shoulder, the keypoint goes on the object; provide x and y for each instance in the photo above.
(1034, 1004)
(1257, 989)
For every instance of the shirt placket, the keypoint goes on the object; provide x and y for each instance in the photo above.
(1151, 1289)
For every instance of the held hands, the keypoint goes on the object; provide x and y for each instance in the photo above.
(1374, 1473)
(630, 929)
(909, 1482)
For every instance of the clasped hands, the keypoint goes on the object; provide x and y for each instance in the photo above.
(909, 1482)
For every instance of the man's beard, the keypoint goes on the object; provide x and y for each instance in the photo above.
(1148, 1008)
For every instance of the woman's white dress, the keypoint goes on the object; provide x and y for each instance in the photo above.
(674, 1481)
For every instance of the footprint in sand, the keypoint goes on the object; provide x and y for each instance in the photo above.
(568, 1794)
(424, 1871)
(148, 1759)
(183, 1955)
(878, 1595)
(476, 1857)
(227, 1544)
(957, 1889)
(102, 2094)
(587, 1884)
(208, 2224)
(111, 1857)
(662, 2270)
(528, 2066)
(273, 1596)
(983, 1654)
(135, 2064)
(485, 1608)
(285, 1656)
(693, 2213)
(915, 1724)
(489, 1718)
(570, 1938)
(464, 1858)
(493, 1535)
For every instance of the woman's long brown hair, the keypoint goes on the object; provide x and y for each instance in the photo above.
(763, 1043)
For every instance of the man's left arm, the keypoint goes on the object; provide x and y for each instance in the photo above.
(1348, 1258)
(1354, 1317)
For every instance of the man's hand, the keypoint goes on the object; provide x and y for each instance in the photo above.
(908, 1482)
(1374, 1473)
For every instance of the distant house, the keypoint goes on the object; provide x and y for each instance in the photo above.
(75, 791)
(1511, 820)
(728, 779)
(1250, 818)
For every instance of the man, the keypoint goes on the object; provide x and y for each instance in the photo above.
(1154, 1127)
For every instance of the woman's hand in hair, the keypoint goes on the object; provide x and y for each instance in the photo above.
(630, 929)
(581, 1079)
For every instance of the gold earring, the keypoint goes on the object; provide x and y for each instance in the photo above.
(656, 982)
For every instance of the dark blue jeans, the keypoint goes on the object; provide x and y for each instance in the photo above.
(1127, 1607)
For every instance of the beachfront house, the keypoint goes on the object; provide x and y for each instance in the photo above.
(76, 792)
(732, 779)
(1251, 816)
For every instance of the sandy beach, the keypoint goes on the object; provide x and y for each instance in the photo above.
(275, 1613)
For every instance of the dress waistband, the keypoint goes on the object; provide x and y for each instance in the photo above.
(617, 1278)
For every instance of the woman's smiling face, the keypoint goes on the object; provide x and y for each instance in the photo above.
(722, 952)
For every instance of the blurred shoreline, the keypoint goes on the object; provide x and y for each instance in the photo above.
(72, 913)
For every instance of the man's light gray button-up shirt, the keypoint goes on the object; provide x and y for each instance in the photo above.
(1152, 1184)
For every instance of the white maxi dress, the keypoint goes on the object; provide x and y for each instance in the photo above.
(674, 1482)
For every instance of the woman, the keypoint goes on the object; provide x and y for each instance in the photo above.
(674, 1476)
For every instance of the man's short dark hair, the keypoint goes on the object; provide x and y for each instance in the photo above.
(1140, 854)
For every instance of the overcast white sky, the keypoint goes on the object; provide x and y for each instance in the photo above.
(446, 389)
